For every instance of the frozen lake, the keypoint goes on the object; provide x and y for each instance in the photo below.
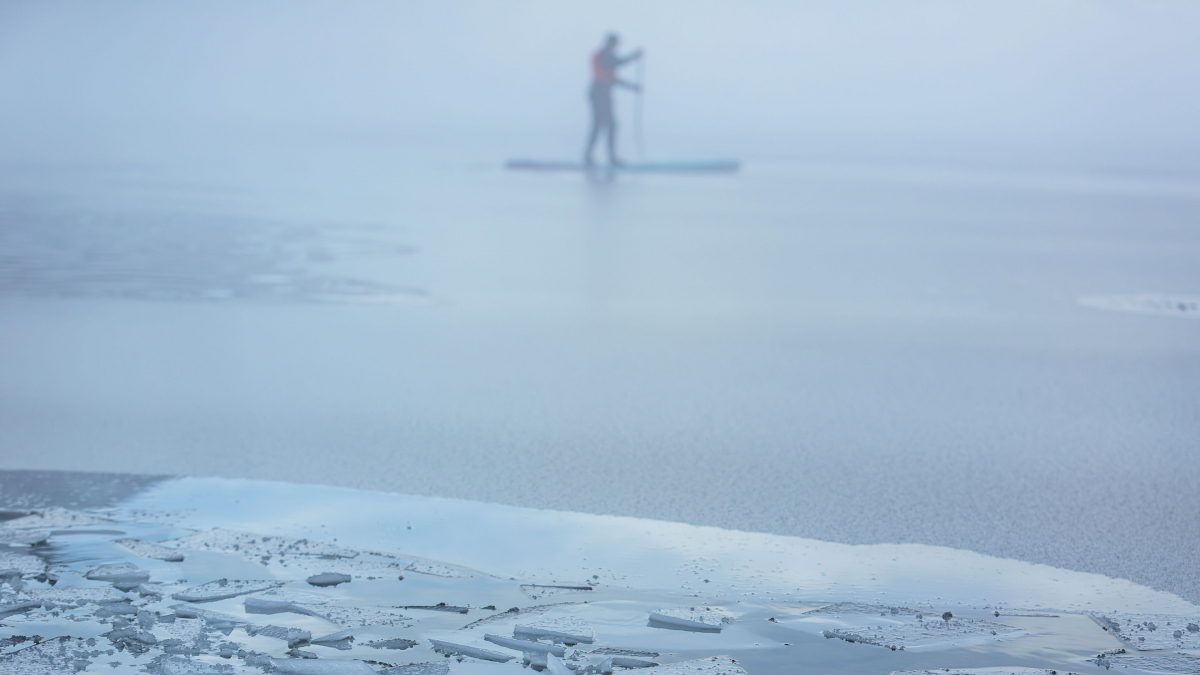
(857, 352)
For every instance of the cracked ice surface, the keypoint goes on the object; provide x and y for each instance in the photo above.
(773, 599)
(1147, 632)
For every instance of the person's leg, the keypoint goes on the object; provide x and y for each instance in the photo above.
(612, 142)
(587, 151)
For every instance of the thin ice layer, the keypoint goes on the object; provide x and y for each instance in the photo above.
(259, 545)
(896, 627)
(704, 619)
(568, 630)
(358, 617)
(224, 588)
(436, 569)
(145, 549)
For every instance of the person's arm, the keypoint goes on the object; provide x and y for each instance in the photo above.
(628, 59)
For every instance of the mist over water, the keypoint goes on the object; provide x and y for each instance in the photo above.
(276, 241)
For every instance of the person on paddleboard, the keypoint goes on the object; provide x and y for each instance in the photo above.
(605, 63)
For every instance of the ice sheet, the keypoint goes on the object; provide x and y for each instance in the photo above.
(636, 569)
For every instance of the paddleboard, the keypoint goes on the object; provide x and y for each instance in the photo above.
(719, 166)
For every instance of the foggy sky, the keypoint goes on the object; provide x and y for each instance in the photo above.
(96, 79)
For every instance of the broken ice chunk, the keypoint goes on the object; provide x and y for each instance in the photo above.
(436, 569)
(293, 636)
(715, 665)
(701, 620)
(23, 537)
(452, 649)
(328, 579)
(125, 574)
(394, 643)
(338, 640)
(145, 549)
(217, 620)
(568, 630)
(525, 645)
(222, 589)
(535, 591)
(257, 546)
(322, 667)
(555, 666)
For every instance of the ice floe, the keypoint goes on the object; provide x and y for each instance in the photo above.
(119, 573)
(21, 562)
(148, 550)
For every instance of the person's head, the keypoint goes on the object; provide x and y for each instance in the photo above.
(611, 41)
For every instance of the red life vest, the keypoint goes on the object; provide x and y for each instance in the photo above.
(599, 73)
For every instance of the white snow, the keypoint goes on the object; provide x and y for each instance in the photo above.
(716, 665)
